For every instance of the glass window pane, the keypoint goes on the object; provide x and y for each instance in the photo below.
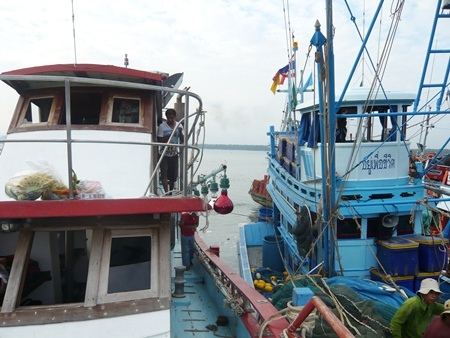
(130, 256)
(125, 110)
(38, 110)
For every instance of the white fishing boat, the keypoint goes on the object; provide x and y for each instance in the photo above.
(89, 240)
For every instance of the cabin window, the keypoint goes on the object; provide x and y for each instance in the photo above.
(51, 274)
(375, 228)
(126, 110)
(124, 254)
(85, 108)
(38, 111)
(57, 271)
(404, 226)
(348, 228)
(130, 256)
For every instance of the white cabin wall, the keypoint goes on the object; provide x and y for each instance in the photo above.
(128, 177)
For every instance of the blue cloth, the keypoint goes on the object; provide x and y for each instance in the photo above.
(446, 232)
(372, 290)
(187, 249)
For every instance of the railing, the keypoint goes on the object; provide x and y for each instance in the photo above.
(316, 303)
(66, 81)
(252, 307)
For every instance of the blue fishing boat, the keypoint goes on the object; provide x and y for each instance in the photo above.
(349, 188)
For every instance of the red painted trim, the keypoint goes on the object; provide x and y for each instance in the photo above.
(325, 311)
(262, 306)
(85, 68)
(100, 207)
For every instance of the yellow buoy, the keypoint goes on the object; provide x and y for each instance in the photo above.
(260, 285)
(268, 288)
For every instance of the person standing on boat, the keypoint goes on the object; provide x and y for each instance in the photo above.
(341, 130)
(188, 225)
(413, 167)
(169, 163)
(440, 326)
(412, 318)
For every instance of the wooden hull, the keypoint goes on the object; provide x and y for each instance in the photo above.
(259, 193)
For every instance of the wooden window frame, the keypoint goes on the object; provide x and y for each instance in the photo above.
(152, 291)
(24, 108)
(110, 105)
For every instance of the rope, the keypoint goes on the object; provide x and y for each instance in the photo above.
(270, 320)
(307, 327)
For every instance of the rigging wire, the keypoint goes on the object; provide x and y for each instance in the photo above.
(74, 39)
(376, 84)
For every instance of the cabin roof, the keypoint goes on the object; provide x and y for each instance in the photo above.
(359, 95)
(94, 71)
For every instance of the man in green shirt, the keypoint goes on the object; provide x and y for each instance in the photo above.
(412, 318)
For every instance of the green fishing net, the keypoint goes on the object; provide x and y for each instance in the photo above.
(364, 318)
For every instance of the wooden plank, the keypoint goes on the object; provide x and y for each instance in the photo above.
(104, 268)
(56, 266)
(95, 259)
(69, 262)
(164, 273)
(19, 266)
(73, 312)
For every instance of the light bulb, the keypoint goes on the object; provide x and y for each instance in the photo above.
(223, 204)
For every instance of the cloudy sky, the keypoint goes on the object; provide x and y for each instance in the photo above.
(228, 50)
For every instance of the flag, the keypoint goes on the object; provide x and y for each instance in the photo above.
(282, 74)
(276, 82)
(294, 98)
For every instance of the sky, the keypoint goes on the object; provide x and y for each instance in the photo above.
(228, 50)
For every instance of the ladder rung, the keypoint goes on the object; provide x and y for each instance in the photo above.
(433, 85)
(440, 51)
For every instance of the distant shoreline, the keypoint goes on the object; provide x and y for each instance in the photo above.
(237, 147)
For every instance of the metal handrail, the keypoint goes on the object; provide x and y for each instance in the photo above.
(67, 80)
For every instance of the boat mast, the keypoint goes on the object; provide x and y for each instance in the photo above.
(325, 65)
(328, 149)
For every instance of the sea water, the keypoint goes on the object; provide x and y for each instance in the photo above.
(243, 166)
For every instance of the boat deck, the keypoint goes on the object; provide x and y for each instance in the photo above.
(195, 315)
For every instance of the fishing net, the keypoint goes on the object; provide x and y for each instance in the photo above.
(363, 317)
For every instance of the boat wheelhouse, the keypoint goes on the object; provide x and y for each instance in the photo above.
(372, 186)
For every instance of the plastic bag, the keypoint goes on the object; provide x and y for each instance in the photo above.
(41, 182)
(87, 190)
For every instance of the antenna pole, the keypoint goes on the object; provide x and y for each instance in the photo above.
(74, 40)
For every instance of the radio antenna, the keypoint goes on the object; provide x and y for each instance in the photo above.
(74, 40)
